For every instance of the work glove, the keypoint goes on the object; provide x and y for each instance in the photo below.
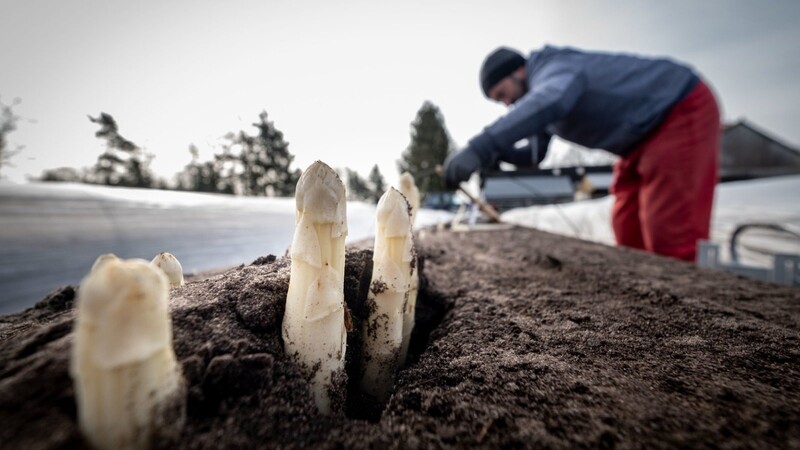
(459, 166)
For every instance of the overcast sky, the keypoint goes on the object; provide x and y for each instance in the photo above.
(343, 80)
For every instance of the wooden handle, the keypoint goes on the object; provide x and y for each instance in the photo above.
(483, 206)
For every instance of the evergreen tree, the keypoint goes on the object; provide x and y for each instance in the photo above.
(262, 164)
(123, 163)
(61, 175)
(215, 176)
(190, 178)
(430, 145)
(212, 180)
(225, 171)
(357, 187)
(377, 182)
(8, 123)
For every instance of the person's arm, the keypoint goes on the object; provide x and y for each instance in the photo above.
(530, 155)
(554, 92)
(551, 98)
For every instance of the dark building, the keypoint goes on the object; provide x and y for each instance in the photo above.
(513, 189)
(748, 152)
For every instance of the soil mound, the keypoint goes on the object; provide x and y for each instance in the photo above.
(524, 340)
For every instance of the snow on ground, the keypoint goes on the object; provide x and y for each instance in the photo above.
(50, 233)
(770, 200)
(361, 215)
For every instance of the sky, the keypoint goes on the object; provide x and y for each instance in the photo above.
(344, 80)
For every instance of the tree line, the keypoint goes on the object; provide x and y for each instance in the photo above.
(249, 163)
(255, 163)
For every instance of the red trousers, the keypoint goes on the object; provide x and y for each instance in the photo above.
(665, 187)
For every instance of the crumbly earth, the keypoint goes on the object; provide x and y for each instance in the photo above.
(524, 340)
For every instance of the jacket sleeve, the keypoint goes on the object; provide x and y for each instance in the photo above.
(530, 155)
(554, 92)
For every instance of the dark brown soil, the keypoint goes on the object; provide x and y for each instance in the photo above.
(524, 340)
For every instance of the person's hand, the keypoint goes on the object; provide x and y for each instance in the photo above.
(459, 166)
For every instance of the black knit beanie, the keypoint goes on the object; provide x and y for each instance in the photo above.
(498, 65)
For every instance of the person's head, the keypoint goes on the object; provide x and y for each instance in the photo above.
(503, 76)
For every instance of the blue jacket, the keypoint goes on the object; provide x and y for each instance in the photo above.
(597, 100)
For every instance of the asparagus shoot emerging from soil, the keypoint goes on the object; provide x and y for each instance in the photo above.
(128, 385)
(410, 191)
(314, 333)
(409, 310)
(171, 267)
(393, 258)
(102, 259)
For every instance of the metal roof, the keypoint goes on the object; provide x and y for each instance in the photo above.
(523, 186)
(600, 180)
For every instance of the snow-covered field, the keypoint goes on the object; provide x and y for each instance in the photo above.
(771, 200)
(50, 233)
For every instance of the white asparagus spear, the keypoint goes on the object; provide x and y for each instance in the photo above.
(393, 254)
(409, 310)
(128, 385)
(171, 267)
(314, 333)
(102, 259)
(409, 189)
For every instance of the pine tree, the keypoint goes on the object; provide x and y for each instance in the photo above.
(262, 165)
(61, 175)
(377, 182)
(8, 123)
(224, 171)
(357, 187)
(191, 177)
(430, 145)
(123, 163)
